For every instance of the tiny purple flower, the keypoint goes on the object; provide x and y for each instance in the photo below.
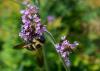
(64, 48)
(50, 19)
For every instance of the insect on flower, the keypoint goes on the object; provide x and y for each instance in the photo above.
(32, 30)
(34, 45)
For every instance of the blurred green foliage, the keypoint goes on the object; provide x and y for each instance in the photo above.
(77, 19)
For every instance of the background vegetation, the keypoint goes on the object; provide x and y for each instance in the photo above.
(77, 19)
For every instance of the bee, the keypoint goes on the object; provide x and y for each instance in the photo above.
(36, 43)
(68, 48)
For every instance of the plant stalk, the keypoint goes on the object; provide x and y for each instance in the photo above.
(51, 38)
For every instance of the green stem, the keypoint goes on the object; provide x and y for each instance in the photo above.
(21, 67)
(45, 59)
(37, 3)
(59, 65)
(52, 40)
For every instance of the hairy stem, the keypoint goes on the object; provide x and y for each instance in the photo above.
(37, 2)
(45, 60)
(52, 40)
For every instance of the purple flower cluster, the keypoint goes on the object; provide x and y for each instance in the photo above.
(31, 24)
(64, 48)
